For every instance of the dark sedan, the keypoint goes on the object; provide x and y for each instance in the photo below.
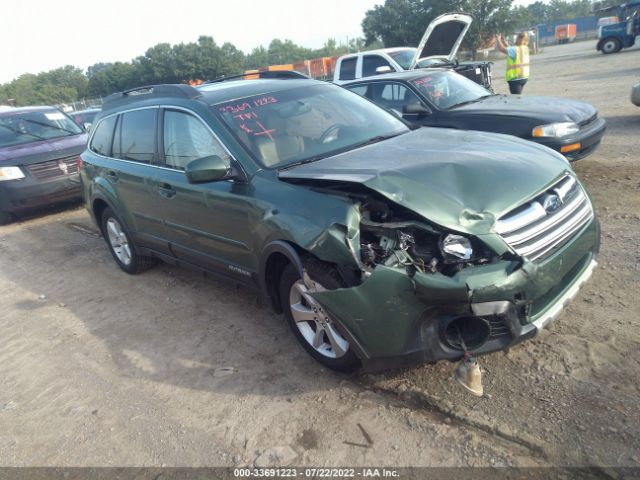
(442, 98)
(39, 152)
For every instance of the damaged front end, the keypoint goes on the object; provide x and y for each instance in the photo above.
(418, 292)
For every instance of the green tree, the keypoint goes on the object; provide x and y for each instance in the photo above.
(400, 23)
(489, 17)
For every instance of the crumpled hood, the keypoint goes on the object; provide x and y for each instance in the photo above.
(545, 109)
(44, 150)
(460, 180)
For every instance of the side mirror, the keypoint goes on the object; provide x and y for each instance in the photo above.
(384, 69)
(207, 169)
(415, 110)
(87, 126)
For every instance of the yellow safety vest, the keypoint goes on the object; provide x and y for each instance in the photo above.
(518, 68)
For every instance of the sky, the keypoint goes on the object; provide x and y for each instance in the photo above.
(39, 35)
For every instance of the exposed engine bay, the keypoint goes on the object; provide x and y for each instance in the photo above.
(390, 236)
(396, 237)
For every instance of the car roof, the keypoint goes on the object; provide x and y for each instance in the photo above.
(209, 93)
(218, 92)
(19, 110)
(406, 75)
(378, 50)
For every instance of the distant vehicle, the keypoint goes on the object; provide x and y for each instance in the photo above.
(438, 48)
(84, 118)
(441, 98)
(565, 33)
(635, 94)
(616, 36)
(39, 152)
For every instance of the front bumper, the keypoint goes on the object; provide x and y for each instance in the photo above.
(29, 193)
(392, 319)
(588, 137)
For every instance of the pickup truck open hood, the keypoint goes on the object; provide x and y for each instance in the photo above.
(460, 180)
(443, 37)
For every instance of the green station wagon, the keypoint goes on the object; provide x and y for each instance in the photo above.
(382, 244)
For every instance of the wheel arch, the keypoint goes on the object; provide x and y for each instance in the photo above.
(275, 257)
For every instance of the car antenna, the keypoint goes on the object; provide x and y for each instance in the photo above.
(468, 373)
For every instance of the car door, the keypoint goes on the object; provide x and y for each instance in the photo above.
(132, 172)
(207, 223)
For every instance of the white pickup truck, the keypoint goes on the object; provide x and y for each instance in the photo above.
(438, 48)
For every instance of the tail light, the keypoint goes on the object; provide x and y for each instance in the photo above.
(79, 162)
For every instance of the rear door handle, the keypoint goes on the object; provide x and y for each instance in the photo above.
(166, 190)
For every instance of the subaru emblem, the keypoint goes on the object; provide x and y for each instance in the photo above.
(551, 203)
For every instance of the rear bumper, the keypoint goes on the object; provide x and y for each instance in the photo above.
(394, 320)
(588, 137)
(28, 193)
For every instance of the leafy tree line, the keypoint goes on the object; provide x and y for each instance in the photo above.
(402, 22)
(162, 63)
(395, 23)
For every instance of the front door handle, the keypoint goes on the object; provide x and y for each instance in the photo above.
(166, 190)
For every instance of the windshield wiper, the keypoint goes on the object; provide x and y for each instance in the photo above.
(467, 102)
(370, 141)
(35, 122)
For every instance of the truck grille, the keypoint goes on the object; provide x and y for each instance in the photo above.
(539, 227)
(61, 167)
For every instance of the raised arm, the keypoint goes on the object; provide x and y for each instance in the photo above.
(502, 44)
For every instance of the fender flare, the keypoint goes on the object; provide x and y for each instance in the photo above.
(283, 248)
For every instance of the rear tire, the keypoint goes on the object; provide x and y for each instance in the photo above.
(312, 326)
(121, 246)
(6, 218)
(611, 45)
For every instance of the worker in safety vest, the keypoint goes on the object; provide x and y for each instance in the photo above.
(517, 62)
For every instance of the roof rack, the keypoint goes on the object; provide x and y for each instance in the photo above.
(273, 74)
(164, 90)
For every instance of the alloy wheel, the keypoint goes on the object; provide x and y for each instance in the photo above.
(313, 321)
(118, 241)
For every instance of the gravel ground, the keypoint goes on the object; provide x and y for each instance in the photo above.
(99, 368)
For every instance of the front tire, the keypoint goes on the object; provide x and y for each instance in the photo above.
(611, 45)
(312, 326)
(121, 244)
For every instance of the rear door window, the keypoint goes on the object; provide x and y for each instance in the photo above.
(348, 68)
(371, 62)
(103, 136)
(186, 138)
(392, 95)
(135, 138)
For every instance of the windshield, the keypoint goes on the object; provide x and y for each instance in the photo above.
(447, 89)
(28, 127)
(306, 123)
(404, 57)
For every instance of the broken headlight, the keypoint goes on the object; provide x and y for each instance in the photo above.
(456, 247)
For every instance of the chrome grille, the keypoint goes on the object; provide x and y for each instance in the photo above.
(536, 229)
(54, 168)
